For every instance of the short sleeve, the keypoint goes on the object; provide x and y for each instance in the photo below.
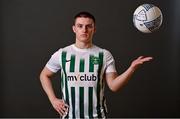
(110, 62)
(53, 63)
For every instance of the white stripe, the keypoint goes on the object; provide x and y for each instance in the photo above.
(68, 57)
(94, 102)
(77, 64)
(86, 100)
(77, 102)
(86, 64)
(63, 88)
(70, 103)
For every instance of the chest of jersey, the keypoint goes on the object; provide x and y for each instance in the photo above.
(83, 68)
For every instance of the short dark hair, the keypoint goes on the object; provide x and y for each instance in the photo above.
(85, 15)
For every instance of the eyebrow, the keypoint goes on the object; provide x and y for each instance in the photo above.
(83, 24)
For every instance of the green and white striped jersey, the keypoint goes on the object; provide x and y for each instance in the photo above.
(82, 80)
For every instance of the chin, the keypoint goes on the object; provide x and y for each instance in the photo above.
(84, 40)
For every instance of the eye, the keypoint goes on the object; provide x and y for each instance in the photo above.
(90, 26)
(79, 25)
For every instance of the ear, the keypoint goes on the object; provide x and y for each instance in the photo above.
(74, 29)
(95, 30)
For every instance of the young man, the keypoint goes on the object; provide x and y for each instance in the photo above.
(84, 70)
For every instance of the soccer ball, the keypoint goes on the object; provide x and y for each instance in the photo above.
(147, 18)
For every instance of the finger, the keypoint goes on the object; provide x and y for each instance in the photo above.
(140, 57)
(66, 106)
(149, 57)
(59, 111)
(146, 59)
(63, 109)
(63, 112)
(143, 57)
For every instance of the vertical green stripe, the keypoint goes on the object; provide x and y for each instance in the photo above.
(81, 66)
(62, 81)
(81, 101)
(65, 76)
(98, 85)
(72, 63)
(73, 100)
(91, 64)
(90, 95)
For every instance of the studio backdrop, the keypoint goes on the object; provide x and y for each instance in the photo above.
(32, 30)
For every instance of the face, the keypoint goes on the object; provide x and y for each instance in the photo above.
(84, 28)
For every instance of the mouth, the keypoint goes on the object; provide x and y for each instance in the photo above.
(84, 35)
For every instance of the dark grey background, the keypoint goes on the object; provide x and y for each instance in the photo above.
(31, 30)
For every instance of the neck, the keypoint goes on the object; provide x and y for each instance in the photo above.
(83, 45)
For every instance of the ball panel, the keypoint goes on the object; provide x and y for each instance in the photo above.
(141, 26)
(141, 15)
(147, 6)
(154, 24)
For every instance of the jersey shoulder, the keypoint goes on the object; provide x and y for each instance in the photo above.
(105, 51)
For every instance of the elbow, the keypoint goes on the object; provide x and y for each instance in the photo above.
(113, 89)
(41, 76)
(45, 75)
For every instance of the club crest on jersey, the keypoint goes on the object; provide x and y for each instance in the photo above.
(95, 60)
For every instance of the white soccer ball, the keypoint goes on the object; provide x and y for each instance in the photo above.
(147, 18)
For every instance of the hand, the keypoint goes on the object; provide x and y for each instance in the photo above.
(60, 106)
(139, 61)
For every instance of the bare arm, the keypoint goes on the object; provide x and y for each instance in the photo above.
(58, 104)
(115, 82)
(45, 78)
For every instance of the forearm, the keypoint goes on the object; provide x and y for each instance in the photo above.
(122, 79)
(47, 86)
(57, 104)
(116, 82)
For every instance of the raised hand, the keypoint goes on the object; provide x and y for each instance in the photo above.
(139, 61)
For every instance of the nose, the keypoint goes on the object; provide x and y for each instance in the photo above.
(85, 29)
